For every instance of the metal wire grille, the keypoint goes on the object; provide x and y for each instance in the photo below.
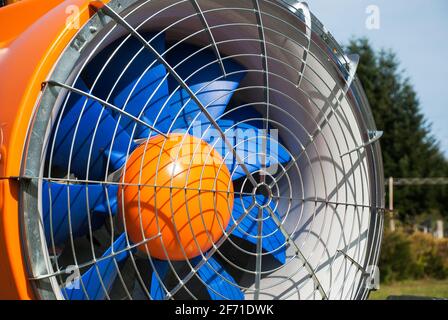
(328, 196)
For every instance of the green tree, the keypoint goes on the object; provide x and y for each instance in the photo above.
(409, 148)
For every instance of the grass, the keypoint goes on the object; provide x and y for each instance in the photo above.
(420, 288)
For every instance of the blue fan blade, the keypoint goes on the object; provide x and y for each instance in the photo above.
(102, 142)
(131, 91)
(273, 238)
(246, 114)
(161, 267)
(249, 142)
(57, 199)
(212, 273)
(214, 95)
(104, 271)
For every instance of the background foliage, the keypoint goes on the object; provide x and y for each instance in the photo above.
(409, 148)
(415, 256)
(409, 151)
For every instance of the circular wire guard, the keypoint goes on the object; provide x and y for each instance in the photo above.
(293, 127)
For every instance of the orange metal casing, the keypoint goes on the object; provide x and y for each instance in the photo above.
(34, 35)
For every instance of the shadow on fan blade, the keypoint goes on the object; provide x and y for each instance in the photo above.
(220, 284)
(161, 269)
(84, 139)
(61, 219)
(98, 280)
(133, 80)
(245, 261)
(208, 83)
(273, 239)
(258, 150)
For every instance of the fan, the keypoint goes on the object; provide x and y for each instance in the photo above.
(201, 149)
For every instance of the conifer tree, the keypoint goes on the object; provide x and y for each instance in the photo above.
(409, 148)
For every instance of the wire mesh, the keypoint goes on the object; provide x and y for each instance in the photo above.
(326, 201)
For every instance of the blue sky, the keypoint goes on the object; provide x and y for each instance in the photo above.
(416, 30)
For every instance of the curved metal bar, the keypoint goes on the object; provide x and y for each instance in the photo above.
(104, 103)
(301, 6)
(210, 35)
(374, 137)
(299, 254)
(119, 20)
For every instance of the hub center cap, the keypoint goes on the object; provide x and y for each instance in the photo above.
(263, 195)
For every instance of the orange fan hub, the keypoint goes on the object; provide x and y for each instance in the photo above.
(178, 197)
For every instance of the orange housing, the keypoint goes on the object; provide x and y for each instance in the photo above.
(33, 34)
